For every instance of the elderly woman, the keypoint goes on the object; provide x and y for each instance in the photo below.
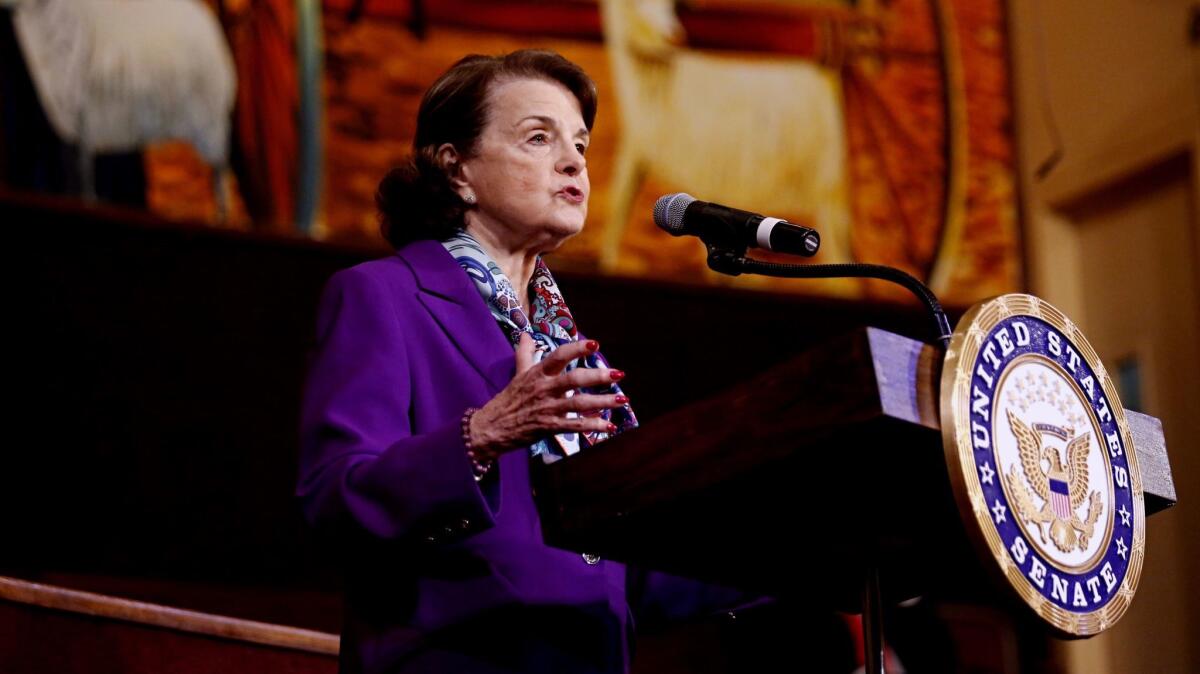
(443, 370)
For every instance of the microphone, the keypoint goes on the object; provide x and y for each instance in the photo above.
(725, 227)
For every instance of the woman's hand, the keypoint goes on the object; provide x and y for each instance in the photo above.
(535, 403)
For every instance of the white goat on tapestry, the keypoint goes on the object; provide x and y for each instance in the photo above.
(766, 135)
(116, 75)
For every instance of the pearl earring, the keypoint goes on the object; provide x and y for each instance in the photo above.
(469, 198)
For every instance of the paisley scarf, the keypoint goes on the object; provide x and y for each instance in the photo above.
(550, 325)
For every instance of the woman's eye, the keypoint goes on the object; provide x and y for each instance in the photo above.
(538, 138)
(581, 147)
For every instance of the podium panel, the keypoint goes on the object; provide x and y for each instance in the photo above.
(798, 481)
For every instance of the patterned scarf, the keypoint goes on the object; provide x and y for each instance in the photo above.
(551, 326)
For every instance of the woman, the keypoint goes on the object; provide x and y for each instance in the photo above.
(442, 371)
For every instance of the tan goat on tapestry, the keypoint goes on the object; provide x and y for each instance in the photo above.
(762, 134)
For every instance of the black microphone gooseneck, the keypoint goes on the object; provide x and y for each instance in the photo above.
(733, 263)
(728, 232)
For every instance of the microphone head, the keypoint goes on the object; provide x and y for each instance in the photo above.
(668, 212)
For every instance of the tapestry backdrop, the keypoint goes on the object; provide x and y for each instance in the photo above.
(885, 125)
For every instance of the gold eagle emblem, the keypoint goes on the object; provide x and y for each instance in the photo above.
(1063, 490)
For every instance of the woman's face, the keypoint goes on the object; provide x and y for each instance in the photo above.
(528, 175)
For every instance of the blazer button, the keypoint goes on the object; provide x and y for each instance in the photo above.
(591, 559)
(464, 524)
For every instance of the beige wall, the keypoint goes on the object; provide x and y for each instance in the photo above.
(1112, 236)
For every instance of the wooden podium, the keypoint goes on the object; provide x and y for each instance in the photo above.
(816, 476)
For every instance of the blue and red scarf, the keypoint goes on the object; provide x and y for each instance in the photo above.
(550, 326)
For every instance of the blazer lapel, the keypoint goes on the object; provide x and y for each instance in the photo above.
(448, 295)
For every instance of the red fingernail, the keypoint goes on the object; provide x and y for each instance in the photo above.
(593, 345)
(621, 400)
(612, 427)
(617, 375)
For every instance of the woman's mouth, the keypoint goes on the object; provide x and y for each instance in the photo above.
(572, 194)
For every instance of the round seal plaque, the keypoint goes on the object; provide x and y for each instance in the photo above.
(1042, 462)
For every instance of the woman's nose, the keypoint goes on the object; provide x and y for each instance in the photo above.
(571, 162)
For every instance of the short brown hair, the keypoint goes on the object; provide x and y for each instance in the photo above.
(416, 200)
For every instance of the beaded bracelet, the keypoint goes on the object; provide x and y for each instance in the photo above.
(480, 468)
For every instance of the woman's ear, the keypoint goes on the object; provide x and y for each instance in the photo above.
(451, 162)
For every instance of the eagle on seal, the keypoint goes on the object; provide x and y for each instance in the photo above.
(1062, 489)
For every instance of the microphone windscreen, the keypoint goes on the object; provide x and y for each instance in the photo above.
(668, 211)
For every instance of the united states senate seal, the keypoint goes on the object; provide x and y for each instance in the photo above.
(1042, 462)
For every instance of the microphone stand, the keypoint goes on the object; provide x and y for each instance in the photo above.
(734, 262)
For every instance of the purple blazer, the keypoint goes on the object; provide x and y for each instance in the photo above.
(445, 574)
